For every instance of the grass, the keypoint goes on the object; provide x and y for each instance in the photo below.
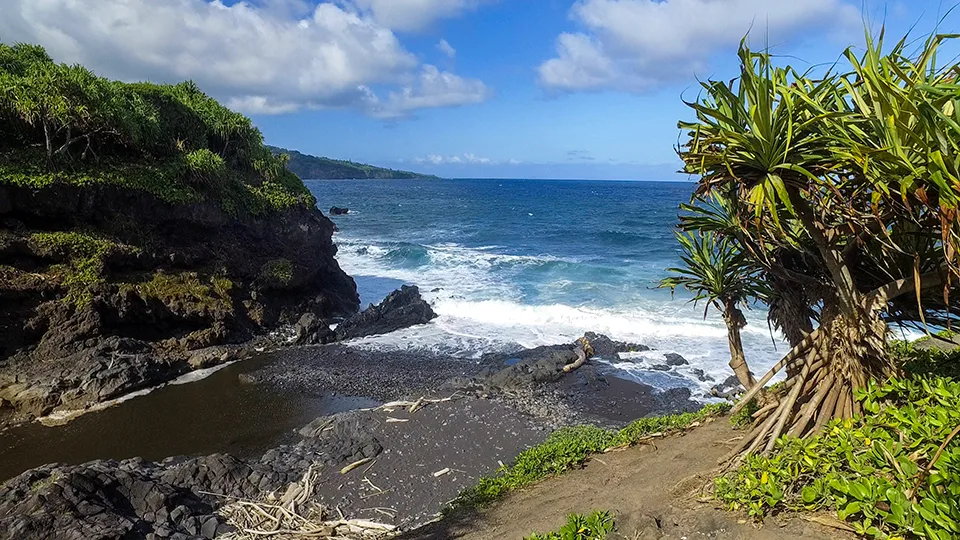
(569, 448)
(596, 526)
(183, 287)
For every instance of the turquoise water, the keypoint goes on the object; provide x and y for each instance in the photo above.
(510, 263)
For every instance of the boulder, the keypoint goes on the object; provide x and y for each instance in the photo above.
(674, 359)
(728, 388)
(402, 308)
(310, 330)
(339, 211)
(605, 347)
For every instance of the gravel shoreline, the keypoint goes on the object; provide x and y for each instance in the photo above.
(491, 412)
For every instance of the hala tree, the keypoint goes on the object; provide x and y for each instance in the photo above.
(716, 272)
(844, 190)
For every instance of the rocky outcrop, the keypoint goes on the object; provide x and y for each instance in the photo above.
(339, 211)
(400, 309)
(105, 290)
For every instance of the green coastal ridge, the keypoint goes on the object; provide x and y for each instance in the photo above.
(321, 168)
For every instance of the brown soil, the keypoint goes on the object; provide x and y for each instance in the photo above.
(652, 489)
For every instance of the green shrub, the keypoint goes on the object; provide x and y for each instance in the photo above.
(884, 472)
(569, 448)
(596, 526)
(65, 124)
(82, 259)
(277, 272)
(205, 166)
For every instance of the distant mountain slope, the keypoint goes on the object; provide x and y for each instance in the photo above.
(310, 167)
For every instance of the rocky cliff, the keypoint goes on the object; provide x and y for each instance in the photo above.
(105, 289)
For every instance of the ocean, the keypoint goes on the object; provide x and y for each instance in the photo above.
(520, 263)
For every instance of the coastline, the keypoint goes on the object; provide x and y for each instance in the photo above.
(486, 414)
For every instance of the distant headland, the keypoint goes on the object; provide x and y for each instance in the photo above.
(320, 168)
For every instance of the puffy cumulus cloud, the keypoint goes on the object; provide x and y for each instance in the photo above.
(431, 89)
(271, 57)
(635, 45)
(413, 15)
(447, 49)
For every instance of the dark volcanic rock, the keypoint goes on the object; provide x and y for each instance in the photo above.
(339, 211)
(400, 309)
(674, 359)
(605, 347)
(310, 330)
(175, 279)
(728, 388)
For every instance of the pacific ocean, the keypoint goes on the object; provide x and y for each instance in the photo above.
(521, 263)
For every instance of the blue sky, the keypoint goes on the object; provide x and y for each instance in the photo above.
(461, 88)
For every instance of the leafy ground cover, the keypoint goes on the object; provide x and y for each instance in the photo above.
(893, 472)
(596, 526)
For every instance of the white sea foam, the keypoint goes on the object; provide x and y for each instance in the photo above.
(482, 310)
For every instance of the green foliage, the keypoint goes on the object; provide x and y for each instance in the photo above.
(317, 168)
(569, 448)
(878, 472)
(715, 270)
(222, 286)
(859, 162)
(596, 526)
(182, 287)
(64, 124)
(205, 166)
(743, 418)
(277, 272)
(81, 257)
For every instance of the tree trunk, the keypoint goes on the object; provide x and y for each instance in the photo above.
(738, 362)
(49, 140)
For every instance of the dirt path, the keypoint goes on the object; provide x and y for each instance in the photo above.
(650, 488)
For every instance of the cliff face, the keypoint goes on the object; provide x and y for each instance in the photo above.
(105, 290)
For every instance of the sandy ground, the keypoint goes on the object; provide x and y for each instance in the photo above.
(652, 489)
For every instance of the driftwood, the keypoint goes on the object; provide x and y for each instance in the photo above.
(584, 351)
(295, 516)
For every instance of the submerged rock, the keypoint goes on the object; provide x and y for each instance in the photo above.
(400, 309)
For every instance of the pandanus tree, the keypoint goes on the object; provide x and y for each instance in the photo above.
(716, 272)
(843, 188)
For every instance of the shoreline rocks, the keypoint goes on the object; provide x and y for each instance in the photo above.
(400, 309)
(106, 290)
(486, 412)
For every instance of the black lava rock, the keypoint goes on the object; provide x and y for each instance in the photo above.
(400, 309)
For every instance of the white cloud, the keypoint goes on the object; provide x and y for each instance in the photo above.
(635, 45)
(413, 15)
(448, 50)
(281, 56)
(431, 89)
(465, 158)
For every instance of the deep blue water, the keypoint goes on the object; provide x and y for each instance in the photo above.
(510, 263)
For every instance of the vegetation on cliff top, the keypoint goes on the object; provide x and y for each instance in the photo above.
(320, 168)
(64, 124)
